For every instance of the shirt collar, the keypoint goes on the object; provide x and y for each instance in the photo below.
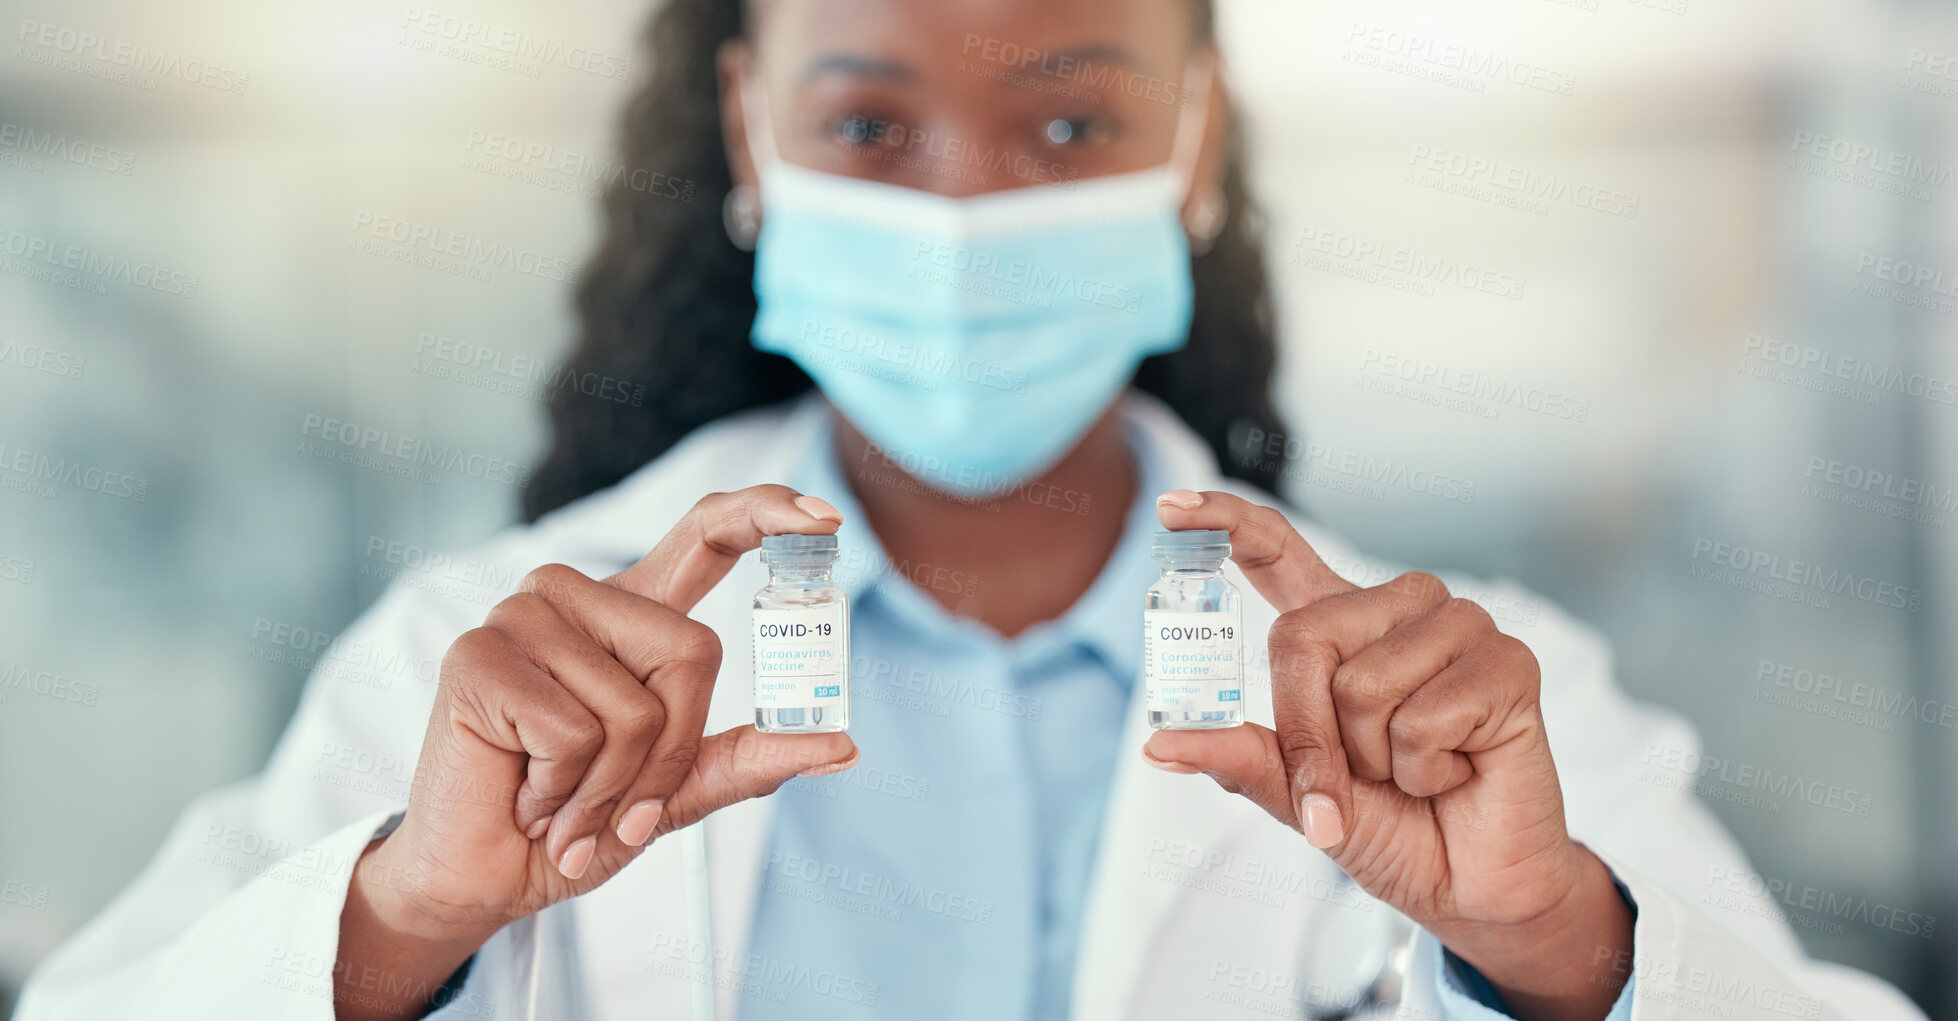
(1106, 620)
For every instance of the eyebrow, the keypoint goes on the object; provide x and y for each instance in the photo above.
(858, 67)
(1104, 52)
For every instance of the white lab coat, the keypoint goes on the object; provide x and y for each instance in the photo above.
(1200, 906)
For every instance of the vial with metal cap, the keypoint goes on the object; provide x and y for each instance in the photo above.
(1193, 635)
(801, 639)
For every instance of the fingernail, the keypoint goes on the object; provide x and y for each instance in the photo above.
(1167, 765)
(537, 828)
(817, 507)
(833, 767)
(577, 857)
(1183, 498)
(1319, 816)
(636, 825)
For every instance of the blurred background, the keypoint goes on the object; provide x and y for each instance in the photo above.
(1646, 282)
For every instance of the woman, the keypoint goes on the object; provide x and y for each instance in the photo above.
(1007, 318)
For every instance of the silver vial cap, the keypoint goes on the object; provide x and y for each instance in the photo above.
(798, 543)
(1191, 544)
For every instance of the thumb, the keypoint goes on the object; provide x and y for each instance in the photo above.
(1244, 760)
(744, 763)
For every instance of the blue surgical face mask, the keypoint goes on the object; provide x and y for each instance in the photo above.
(973, 340)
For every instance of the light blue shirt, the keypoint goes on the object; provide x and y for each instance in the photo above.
(946, 875)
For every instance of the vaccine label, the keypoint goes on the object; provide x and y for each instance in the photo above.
(1190, 661)
(799, 658)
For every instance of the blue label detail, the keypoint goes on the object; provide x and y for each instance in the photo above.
(829, 691)
(1229, 696)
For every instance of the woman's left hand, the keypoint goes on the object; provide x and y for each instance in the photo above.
(1410, 748)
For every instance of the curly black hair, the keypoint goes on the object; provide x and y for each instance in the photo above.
(667, 301)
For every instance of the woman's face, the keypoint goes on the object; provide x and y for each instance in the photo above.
(959, 97)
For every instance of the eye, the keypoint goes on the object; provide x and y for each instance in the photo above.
(858, 129)
(1078, 130)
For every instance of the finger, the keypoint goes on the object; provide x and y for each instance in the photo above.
(1244, 760)
(1275, 558)
(684, 682)
(1371, 684)
(744, 763)
(1472, 708)
(1307, 645)
(706, 542)
(676, 658)
(631, 716)
(513, 704)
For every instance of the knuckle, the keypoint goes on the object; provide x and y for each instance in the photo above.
(581, 736)
(1296, 631)
(680, 756)
(1300, 743)
(1519, 657)
(517, 606)
(1411, 730)
(707, 504)
(550, 578)
(697, 645)
(1358, 688)
(472, 652)
(642, 715)
(1470, 611)
(1420, 585)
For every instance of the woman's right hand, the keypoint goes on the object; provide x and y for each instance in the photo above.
(566, 736)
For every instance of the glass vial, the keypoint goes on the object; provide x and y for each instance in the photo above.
(802, 639)
(1193, 635)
